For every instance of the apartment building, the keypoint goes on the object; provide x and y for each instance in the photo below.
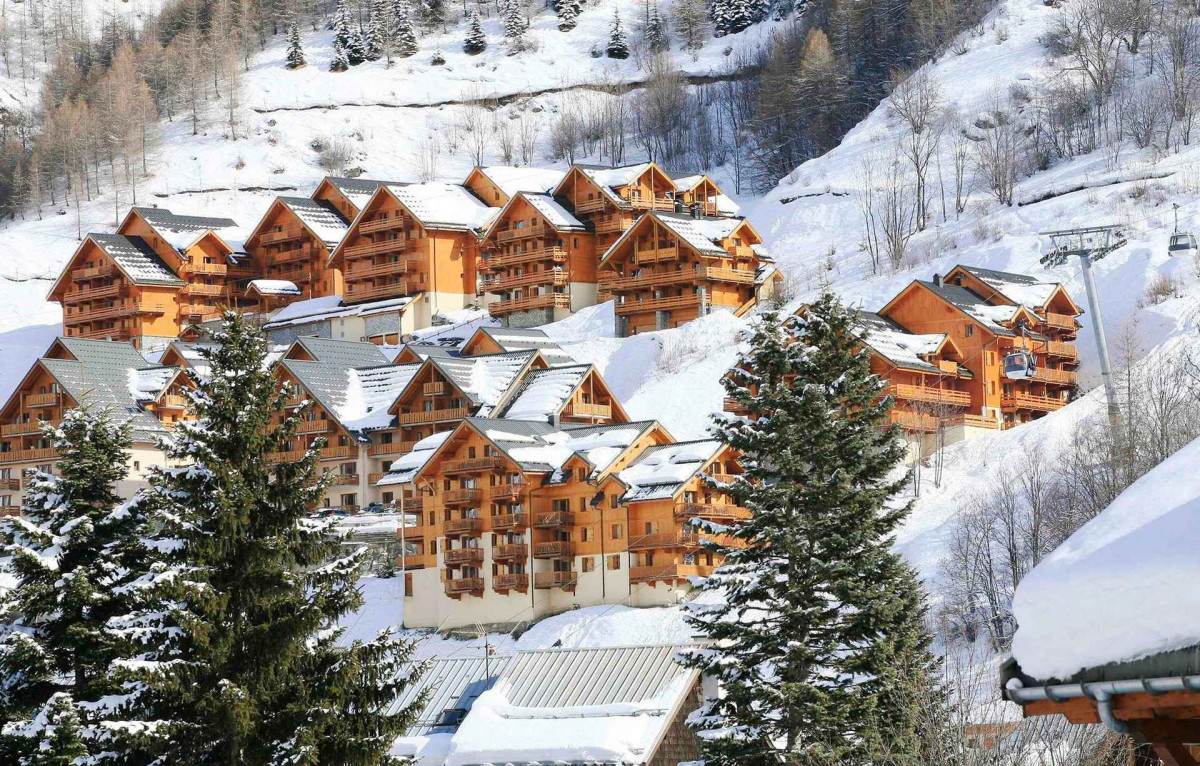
(668, 269)
(538, 262)
(611, 199)
(417, 241)
(292, 241)
(77, 372)
(497, 184)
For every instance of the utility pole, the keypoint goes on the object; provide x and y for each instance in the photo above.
(1090, 245)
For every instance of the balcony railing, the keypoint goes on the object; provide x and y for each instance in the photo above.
(499, 261)
(1060, 321)
(525, 232)
(383, 224)
(215, 269)
(345, 479)
(199, 288)
(510, 552)
(555, 579)
(665, 540)
(412, 561)
(397, 245)
(615, 223)
(657, 203)
(329, 453)
(198, 310)
(365, 270)
(1031, 402)
(1057, 377)
(473, 465)
(172, 402)
(433, 416)
(95, 272)
(908, 392)
(555, 549)
(28, 455)
(548, 278)
(95, 293)
(390, 448)
(509, 521)
(436, 388)
(283, 235)
(514, 581)
(42, 400)
(303, 253)
(549, 300)
(464, 585)
(25, 429)
(591, 205)
(1058, 348)
(313, 426)
(354, 290)
(10, 485)
(659, 304)
(507, 493)
(584, 410)
(456, 557)
(711, 511)
(461, 496)
(554, 519)
(915, 421)
(668, 572)
(463, 526)
(655, 255)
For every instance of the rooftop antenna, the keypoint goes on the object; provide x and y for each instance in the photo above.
(1090, 244)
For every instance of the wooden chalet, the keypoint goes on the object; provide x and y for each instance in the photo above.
(668, 269)
(538, 262)
(413, 239)
(348, 195)
(989, 315)
(292, 243)
(497, 184)
(696, 193)
(159, 272)
(611, 199)
(97, 374)
(500, 340)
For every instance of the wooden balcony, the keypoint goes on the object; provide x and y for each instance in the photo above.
(10, 485)
(555, 579)
(658, 203)
(28, 455)
(668, 572)
(711, 511)
(198, 310)
(433, 416)
(582, 410)
(460, 586)
(547, 278)
(94, 293)
(1017, 401)
(614, 283)
(291, 456)
(390, 448)
(1062, 350)
(356, 292)
(12, 510)
(510, 551)
(473, 465)
(665, 540)
(500, 261)
(463, 526)
(199, 288)
(172, 402)
(554, 519)
(505, 521)
(915, 422)
(974, 421)
(1060, 321)
(513, 581)
(214, 269)
(383, 224)
(462, 496)
(359, 270)
(436, 388)
(99, 333)
(374, 476)
(398, 245)
(615, 224)
(95, 272)
(739, 276)
(120, 309)
(555, 549)
(525, 232)
(655, 255)
(592, 205)
(26, 429)
(1056, 377)
(305, 253)
(456, 557)
(412, 505)
(911, 393)
(507, 493)
(413, 561)
(549, 300)
(345, 480)
(669, 303)
(285, 234)
(313, 426)
(51, 399)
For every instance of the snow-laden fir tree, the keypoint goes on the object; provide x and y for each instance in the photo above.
(404, 39)
(514, 22)
(254, 588)
(295, 53)
(568, 14)
(818, 618)
(432, 13)
(375, 37)
(656, 32)
(338, 63)
(732, 16)
(342, 30)
(71, 553)
(475, 41)
(618, 46)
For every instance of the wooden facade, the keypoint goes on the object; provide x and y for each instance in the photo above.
(292, 242)
(611, 199)
(669, 269)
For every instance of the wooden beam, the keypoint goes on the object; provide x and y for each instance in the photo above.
(1174, 754)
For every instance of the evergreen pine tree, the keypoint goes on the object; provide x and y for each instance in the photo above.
(405, 38)
(342, 33)
(568, 14)
(356, 49)
(295, 54)
(618, 47)
(433, 13)
(514, 22)
(339, 62)
(656, 32)
(814, 600)
(60, 735)
(475, 41)
(255, 585)
(71, 555)
(732, 16)
(375, 38)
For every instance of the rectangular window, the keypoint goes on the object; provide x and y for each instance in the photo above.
(588, 564)
(616, 531)
(585, 534)
(614, 561)
(408, 587)
(970, 330)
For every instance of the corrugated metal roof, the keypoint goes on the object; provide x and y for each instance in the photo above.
(157, 216)
(453, 685)
(560, 678)
(136, 259)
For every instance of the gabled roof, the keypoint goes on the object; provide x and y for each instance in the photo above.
(452, 685)
(322, 219)
(136, 260)
(701, 234)
(1017, 288)
(331, 307)
(357, 190)
(557, 216)
(370, 394)
(443, 206)
(661, 471)
(543, 393)
(273, 287)
(970, 304)
(896, 344)
(513, 180)
(327, 376)
(183, 231)
(484, 380)
(525, 339)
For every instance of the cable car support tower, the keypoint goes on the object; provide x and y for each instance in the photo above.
(1090, 244)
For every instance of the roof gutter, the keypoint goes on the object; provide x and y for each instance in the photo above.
(1102, 693)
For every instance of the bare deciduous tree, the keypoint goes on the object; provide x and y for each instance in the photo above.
(917, 105)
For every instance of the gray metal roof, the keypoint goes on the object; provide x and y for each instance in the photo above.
(136, 259)
(564, 678)
(157, 216)
(358, 187)
(523, 339)
(529, 435)
(327, 377)
(561, 383)
(969, 302)
(502, 370)
(453, 684)
(322, 218)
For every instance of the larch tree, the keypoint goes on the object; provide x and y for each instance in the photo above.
(475, 41)
(295, 53)
(618, 46)
(253, 588)
(818, 638)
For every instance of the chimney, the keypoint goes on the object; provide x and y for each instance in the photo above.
(937, 279)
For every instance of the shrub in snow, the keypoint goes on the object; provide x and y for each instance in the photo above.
(295, 54)
(810, 588)
(475, 41)
(618, 46)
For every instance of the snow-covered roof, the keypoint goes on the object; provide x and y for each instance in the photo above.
(513, 180)
(370, 392)
(686, 181)
(896, 344)
(330, 377)
(323, 219)
(528, 339)
(661, 471)
(1018, 288)
(597, 705)
(136, 259)
(555, 214)
(484, 379)
(544, 393)
(444, 206)
(1123, 586)
(611, 178)
(404, 468)
(357, 190)
(183, 231)
(976, 307)
(702, 234)
(273, 287)
(451, 684)
(331, 307)
(147, 383)
(544, 448)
